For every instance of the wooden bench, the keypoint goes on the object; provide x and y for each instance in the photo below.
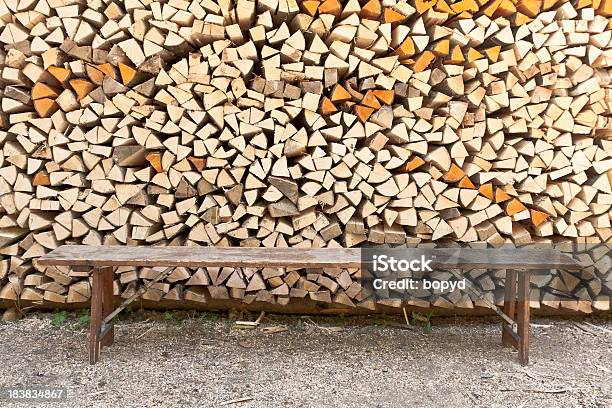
(519, 264)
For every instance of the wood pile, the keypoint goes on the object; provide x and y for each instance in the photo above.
(306, 124)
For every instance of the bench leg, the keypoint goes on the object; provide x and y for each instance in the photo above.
(107, 303)
(509, 307)
(95, 321)
(524, 290)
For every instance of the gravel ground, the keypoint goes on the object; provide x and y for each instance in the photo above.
(202, 360)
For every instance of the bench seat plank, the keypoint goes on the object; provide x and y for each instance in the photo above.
(466, 258)
(201, 256)
(499, 258)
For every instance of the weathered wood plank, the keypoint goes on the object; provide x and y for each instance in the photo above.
(298, 258)
(202, 256)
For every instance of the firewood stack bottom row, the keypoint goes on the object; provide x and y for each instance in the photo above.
(305, 124)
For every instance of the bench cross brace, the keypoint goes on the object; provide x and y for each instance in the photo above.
(101, 328)
(475, 291)
(515, 328)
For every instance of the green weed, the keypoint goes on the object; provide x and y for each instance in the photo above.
(59, 318)
(425, 319)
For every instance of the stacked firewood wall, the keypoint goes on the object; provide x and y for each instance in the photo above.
(305, 124)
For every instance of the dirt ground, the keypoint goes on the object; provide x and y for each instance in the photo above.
(175, 359)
